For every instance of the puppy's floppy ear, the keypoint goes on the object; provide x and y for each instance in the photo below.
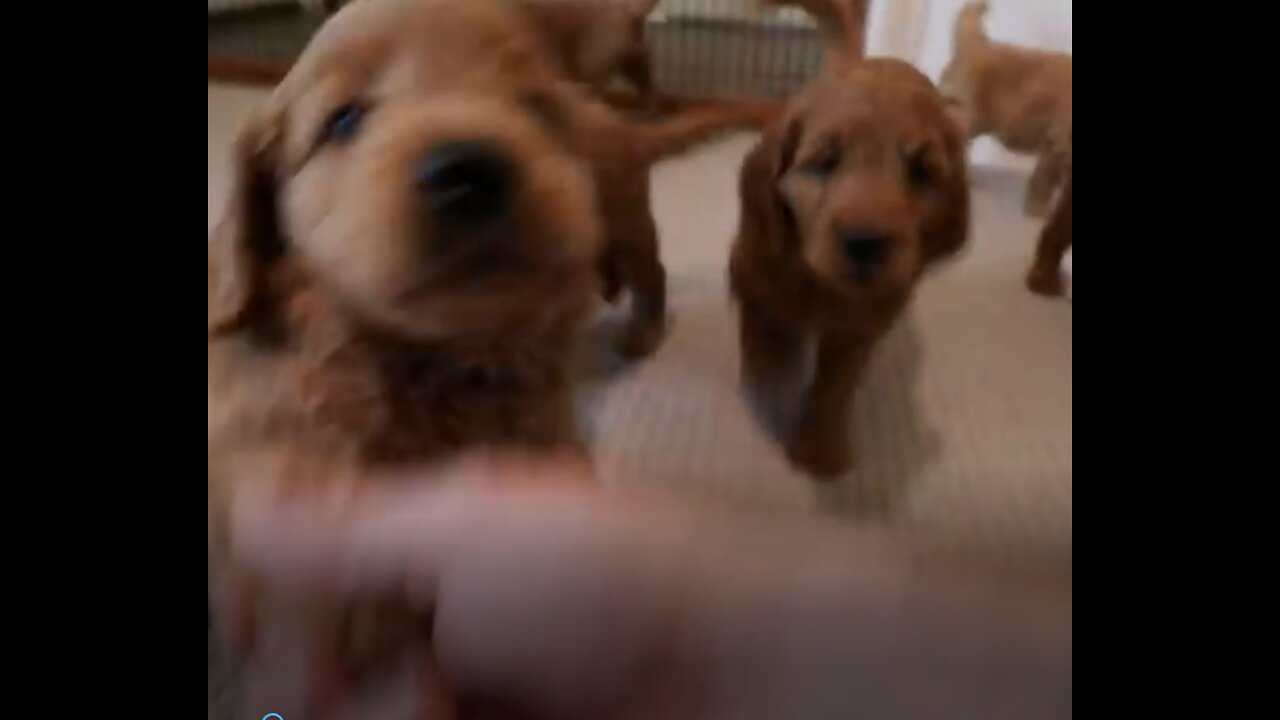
(248, 236)
(947, 225)
(764, 210)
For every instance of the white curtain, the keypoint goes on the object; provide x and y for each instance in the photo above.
(895, 28)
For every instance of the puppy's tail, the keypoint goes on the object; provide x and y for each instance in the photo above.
(968, 33)
(843, 24)
(664, 138)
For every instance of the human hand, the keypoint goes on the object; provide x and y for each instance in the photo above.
(553, 598)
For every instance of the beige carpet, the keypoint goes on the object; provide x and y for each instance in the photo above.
(964, 422)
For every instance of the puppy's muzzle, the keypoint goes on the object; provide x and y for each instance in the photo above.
(865, 251)
(466, 182)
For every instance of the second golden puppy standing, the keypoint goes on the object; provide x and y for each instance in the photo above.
(851, 194)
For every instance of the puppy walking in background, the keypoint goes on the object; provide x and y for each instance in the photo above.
(420, 217)
(847, 199)
(1020, 96)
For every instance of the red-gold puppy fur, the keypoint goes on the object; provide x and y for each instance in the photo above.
(846, 200)
(1020, 96)
(420, 216)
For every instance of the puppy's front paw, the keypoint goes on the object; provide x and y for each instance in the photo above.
(771, 401)
(1045, 281)
(640, 341)
(824, 455)
(1037, 207)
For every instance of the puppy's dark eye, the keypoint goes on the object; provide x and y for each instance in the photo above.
(343, 123)
(824, 163)
(918, 171)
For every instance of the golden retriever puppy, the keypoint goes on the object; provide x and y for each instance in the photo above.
(419, 220)
(1020, 96)
(847, 199)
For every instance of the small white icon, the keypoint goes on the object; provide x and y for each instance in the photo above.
(268, 716)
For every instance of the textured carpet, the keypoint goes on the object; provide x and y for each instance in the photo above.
(963, 426)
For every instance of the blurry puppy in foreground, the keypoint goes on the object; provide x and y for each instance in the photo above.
(856, 190)
(1045, 275)
(1020, 96)
(420, 215)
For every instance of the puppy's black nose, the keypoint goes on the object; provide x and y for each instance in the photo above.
(466, 181)
(863, 249)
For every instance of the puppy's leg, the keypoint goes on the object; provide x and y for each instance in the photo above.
(1047, 177)
(648, 282)
(1045, 275)
(820, 443)
(772, 361)
(635, 68)
(610, 276)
